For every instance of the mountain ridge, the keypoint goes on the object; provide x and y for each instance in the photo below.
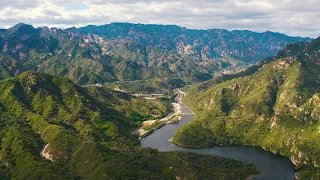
(184, 28)
(130, 52)
(127, 29)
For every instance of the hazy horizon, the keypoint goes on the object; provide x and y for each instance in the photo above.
(290, 17)
(159, 25)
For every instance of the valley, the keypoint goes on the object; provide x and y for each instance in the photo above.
(105, 102)
(52, 128)
(272, 166)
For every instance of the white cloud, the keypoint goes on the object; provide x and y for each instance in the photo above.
(292, 17)
(18, 4)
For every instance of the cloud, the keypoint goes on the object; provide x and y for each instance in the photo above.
(18, 4)
(292, 17)
(50, 12)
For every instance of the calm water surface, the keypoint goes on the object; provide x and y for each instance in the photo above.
(273, 167)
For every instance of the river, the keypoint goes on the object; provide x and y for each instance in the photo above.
(272, 166)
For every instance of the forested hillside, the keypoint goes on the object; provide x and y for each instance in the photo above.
(51, 128)
(274, 105)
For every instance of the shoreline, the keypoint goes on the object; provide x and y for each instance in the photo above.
(216, 150)
(177, 113)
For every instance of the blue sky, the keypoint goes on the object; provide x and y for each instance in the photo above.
(292, 17)
(74, 6)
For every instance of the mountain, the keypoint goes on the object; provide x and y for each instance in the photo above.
(274, 105)
(205, 44)
(51, 128)
(126, 52)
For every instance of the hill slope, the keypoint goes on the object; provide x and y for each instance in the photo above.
(122, 52)
(275, 107)
(51, 128)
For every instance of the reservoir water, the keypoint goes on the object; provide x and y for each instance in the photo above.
(272, 166)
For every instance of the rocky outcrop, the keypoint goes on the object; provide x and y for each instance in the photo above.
(284, 64)
(46, 153)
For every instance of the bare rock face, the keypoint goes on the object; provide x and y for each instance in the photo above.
(282, 65)
(5, 47)
(45, 153)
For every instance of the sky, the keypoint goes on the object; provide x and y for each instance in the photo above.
(291, 17)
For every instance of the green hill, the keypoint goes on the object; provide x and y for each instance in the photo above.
(51, 128)
(274, 105)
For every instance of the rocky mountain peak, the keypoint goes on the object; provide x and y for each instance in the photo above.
(22, 28)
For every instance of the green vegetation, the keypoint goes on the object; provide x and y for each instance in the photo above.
(127, 52)
(275, 107)
(205, 167)
(153, 127)
(86, 133)
(149, 86)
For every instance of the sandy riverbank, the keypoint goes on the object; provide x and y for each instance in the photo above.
(173, 117)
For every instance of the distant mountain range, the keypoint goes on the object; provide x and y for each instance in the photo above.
(123, 51)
